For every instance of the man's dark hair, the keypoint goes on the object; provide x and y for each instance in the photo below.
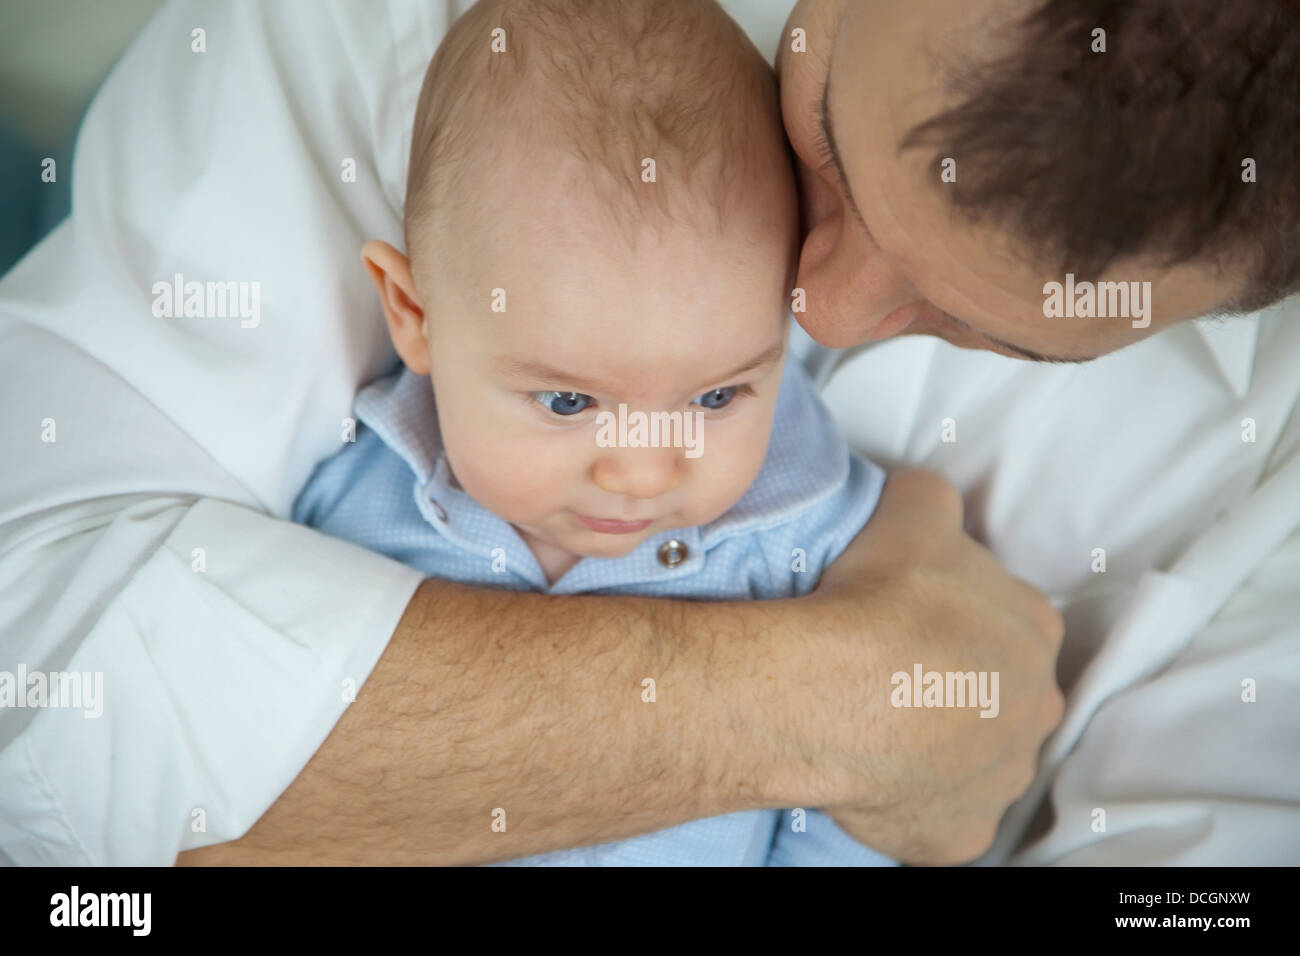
(1088, 157)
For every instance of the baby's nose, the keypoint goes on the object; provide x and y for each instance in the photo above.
(639, 472)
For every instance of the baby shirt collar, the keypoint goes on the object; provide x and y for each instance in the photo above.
(400, 409)
(807, 461)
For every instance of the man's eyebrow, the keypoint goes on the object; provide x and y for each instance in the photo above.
(1022, 352)
(547, 373)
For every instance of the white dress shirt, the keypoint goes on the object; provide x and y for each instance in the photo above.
(147, 541)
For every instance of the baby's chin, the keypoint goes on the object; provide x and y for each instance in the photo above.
(572, 537)
(594, 544)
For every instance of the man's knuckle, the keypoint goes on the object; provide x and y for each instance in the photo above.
(1054, 707)
(931, 489)
(1052, 623)
(945, 497)
(975, 842)
(1024, 780)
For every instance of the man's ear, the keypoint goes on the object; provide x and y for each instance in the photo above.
(391, 273)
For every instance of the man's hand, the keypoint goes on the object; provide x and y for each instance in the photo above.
(924, 785)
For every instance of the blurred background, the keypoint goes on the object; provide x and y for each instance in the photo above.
(53, 56)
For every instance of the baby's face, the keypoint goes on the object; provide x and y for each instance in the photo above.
(688, 323)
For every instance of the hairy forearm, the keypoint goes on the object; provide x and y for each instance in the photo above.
(488, 701)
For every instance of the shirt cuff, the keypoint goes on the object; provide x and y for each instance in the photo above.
(226, 661)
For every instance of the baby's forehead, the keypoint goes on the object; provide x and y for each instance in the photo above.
(559, 247)
(667, 314)
(652, 96)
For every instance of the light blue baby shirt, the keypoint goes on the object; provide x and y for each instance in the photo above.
(392, 491)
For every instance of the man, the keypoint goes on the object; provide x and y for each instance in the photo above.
(267, 635)
(958, 160)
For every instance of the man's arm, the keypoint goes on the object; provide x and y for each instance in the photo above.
(533, 704)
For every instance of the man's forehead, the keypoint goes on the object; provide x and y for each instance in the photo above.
(927, 49)
(945, 32)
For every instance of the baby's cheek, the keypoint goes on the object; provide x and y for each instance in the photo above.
(729, 463)
(513, 479)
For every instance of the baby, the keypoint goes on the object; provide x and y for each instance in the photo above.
(601, 223)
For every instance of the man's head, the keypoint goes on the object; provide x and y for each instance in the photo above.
(600, 212)
(1127, 164)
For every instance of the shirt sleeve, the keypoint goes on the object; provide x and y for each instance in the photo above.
(149, 460)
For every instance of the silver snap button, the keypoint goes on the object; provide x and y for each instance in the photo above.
(437, 510)
(672, 553)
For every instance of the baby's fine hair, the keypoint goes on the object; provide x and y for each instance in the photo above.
(614, 83)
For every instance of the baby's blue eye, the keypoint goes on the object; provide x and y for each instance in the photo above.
(718, 398)
(564, 403)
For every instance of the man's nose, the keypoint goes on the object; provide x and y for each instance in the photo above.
(850, 287)
(639, 472)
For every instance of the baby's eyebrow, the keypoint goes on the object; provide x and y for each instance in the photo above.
(542, 372)
(763, 359)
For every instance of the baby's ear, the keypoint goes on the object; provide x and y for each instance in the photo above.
(390, 271)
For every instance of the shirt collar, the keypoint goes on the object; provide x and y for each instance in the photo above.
(807, 460)
(1231, 342)
(400, 409)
